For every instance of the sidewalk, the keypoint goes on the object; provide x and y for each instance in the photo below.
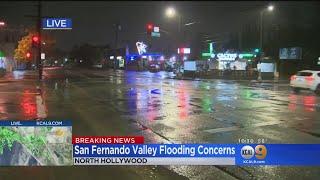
(19, 75)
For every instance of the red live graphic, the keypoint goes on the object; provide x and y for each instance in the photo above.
(107, 140)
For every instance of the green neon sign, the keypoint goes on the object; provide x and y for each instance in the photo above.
(242, 55)
(210, 47)
(1, 54)
(246, 55)
(208, 54)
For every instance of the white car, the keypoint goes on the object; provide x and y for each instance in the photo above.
(97, 66)
(306, 79)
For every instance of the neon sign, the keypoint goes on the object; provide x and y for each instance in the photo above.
(210, 53)
(231, 56)
(248, 55)
(184, 51)
(227, 57)
(142, 48)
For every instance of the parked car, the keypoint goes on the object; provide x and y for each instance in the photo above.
(99, 66)
(169, 69)
(154, 68)
(306, 79)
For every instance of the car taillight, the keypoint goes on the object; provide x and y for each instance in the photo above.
(309, 78)
(293, 77)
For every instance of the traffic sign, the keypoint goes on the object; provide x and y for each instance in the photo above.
(155, 34)
(156, 29)
(43, 56)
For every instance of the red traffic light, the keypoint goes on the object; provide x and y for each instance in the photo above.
(35, 39)
(28, 55)
(150, 26)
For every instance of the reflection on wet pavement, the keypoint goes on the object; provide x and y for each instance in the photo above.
(175, 111)
(21, 101)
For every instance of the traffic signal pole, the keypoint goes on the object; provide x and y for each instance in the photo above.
(39, 63)
(179, 43)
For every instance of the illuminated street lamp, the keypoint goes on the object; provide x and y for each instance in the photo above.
(170, 12)
(269, 9)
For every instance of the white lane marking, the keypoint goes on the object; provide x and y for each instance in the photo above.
(217, 130)
(234, 128)
(267, 123)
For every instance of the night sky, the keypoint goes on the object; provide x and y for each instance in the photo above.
(93, 21)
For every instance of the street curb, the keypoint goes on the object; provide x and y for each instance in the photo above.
(244, 80)
(7, 81)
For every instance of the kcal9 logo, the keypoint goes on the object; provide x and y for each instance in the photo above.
(260, 152)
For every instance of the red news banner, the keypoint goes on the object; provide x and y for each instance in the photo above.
(107, 140)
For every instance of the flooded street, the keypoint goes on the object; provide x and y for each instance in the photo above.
(167, 110)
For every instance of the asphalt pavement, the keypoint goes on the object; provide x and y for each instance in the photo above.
(164, 110)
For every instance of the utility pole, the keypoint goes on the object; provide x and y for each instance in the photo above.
(261, 31)
(260, 45)
(270, 8)
(37, 53)
(117, 26)
(117, 34)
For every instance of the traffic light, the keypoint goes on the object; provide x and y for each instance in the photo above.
(35, 41)
(257, 50)
(28, 55)
(149, 28)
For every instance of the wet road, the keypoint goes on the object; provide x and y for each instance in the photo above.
(163, 109)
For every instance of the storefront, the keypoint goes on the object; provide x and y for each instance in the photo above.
(2, 61)
(115, 58)
(6, 58)
(268, 68)
(142, 62)
(230, 61)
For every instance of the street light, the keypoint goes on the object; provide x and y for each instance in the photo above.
(269, 9)
(170, 12)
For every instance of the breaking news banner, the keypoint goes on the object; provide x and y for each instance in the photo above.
(36, 143)
(50, 143)
(107, 140)
(196, 154)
